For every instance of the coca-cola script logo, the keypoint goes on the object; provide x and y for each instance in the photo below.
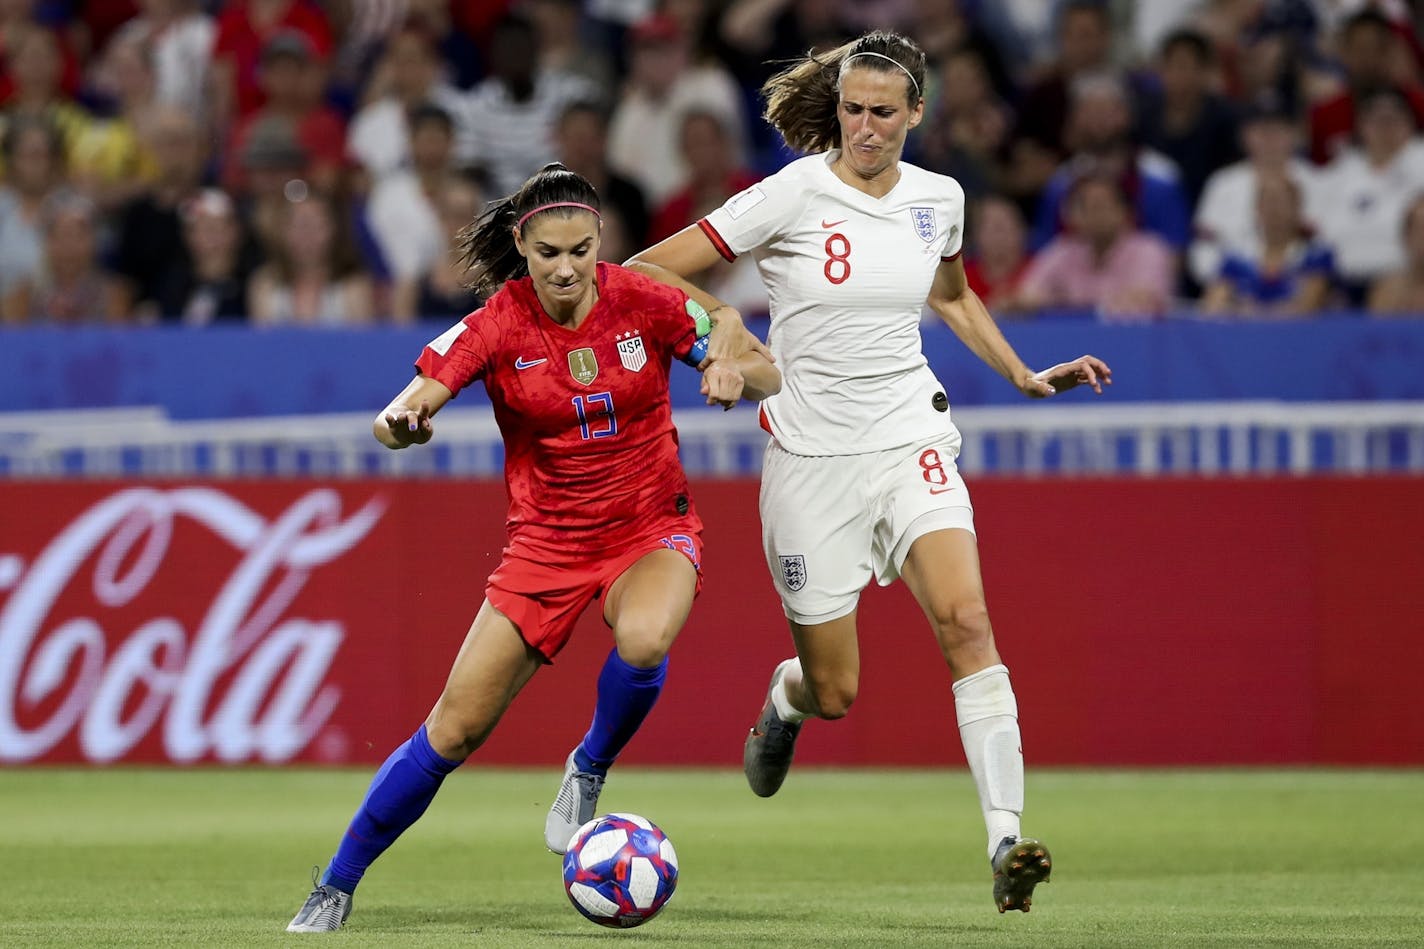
(249, 683)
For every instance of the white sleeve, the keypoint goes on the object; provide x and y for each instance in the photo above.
(755, 217)
(954, 234)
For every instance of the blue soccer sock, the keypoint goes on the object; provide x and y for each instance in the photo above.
(400, 792)
(626, 694)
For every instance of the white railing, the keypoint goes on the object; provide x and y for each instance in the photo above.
(1149, 439)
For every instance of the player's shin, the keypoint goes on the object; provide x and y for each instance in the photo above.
(989, 727)
(626, 694)
(399, 793)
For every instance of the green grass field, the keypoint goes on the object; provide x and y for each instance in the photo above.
(1173, 858)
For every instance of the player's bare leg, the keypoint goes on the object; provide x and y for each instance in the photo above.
(942, 571)
(646, 606)
(493, 664)
(819, 682)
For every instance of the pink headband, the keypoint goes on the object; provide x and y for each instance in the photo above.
(557, 204)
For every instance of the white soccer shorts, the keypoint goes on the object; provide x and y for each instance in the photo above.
(830, 523)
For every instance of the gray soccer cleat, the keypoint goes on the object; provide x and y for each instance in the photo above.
(325, 911)
(1020, 864)
(574, 806)
(766, 756)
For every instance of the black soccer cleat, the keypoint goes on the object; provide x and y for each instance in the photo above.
(770, 745)
(1020, 864)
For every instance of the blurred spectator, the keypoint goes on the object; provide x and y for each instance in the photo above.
(945, 28)
(1366, 48)
(1099, 134)
(1225, 220)
(1184, 119)
(291, 79)
(407, 76)
(1038, 141)
(313, 277)
(511, 114)
(1290, 276)
(765, 33)
(1401, 292)
(442, 291)
(273, 161)
(403, 214)
(663, 87)
(1101, 264)
(148, 230)
(713, 175)
(35, 64)
(69, 286)
(998, 252)
(581, 138)
(210, 283)
(561, 46)
(34, 163)
(444, 21)
(17, 18)
(966, 132)
(109, 160)
(181, 39)
(243, 31)
(1368, 188)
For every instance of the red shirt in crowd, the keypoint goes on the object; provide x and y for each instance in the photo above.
(242, 41)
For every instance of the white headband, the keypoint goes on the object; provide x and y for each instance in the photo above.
(898, 65)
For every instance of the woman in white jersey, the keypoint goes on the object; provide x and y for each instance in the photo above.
(860, 476)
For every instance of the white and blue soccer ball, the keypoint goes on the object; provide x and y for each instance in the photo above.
(620, 870)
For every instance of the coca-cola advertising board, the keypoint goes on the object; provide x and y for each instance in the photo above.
(1145, 622)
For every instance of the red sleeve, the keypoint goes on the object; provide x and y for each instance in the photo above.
(461, 354)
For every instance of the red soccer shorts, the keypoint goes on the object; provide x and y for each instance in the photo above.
(544, 597)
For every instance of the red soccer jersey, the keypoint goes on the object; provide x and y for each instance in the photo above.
(590, 449)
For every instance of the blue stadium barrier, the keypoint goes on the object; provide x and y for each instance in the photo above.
(237, 372)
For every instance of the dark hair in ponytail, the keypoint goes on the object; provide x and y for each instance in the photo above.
(486, 245)
(801, 100)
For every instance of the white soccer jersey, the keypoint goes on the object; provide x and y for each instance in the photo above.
(847, 275)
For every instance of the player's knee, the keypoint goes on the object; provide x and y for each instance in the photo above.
(963, 625)
(454, 739)
(643, 644)
(833, 694)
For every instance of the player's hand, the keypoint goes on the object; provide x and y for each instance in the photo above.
(408, 426)
(722, 385)
(1085, 370)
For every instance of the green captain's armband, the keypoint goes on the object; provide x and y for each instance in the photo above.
(699, 316)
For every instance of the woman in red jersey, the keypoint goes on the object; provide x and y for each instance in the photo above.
(575, 356)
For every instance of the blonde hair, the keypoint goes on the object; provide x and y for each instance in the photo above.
(801, 100)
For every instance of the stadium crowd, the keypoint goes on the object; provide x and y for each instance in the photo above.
(301, 162)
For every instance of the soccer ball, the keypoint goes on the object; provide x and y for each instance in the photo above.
(620, 870)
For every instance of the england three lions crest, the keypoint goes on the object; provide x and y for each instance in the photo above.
(793, 572)
(925, 225)
(631, 352)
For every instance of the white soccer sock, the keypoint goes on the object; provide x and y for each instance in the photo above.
(781, 701)
(989, 727)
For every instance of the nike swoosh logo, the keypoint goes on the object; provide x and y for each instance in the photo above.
(825, 223)
(940, 490)
(520, 363)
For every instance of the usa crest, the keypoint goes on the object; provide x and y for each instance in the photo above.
(583, 365)
(630, 351)
(793, 572)
(924, 220)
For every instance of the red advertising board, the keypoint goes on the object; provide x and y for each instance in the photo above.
(1144, 622)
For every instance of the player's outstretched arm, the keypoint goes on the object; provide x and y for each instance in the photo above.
(407, 419)
(962, 310)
